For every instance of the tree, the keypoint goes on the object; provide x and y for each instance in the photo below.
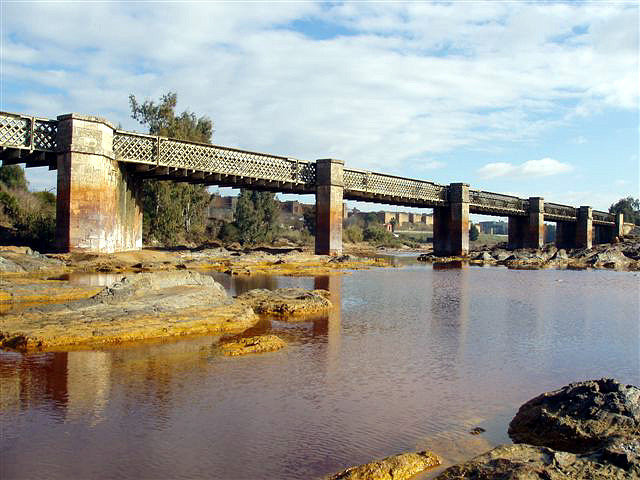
(630, 207)
(309, 219)
(13, 177)
(474, 233)
(256, 217)
(172, 211)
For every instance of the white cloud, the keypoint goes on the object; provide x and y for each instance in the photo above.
(532, 168)
(409, 81)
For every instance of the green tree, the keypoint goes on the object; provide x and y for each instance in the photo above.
(474, 233)
(309, 218)
(630, 207)
(256, 217)
(172, 211)
(13, 177)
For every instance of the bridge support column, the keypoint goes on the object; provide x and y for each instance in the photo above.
(329, 195)
(451, 223)
(98, 207)
(584, 228)
(528, 232)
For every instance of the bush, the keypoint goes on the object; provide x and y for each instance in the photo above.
(229, 233)
(378, 235)
(353, 234)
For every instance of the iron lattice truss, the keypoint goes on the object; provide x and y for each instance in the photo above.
(28, 133)
(404, 189)
(489, 202)
(24, 132)
(164, 152)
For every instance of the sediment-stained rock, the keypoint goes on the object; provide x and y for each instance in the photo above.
(529, 462)
(579, 417)
(396, 467)
(257, 344)
(287, 301)
(138, 307)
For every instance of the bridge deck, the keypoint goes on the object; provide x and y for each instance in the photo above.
(33, 141)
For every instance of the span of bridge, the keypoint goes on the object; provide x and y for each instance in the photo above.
(100, 171)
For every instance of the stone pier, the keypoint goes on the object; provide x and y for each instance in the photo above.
(329, 195)
(98, 206)
(451, 223)
(528, 231)
(584, 228)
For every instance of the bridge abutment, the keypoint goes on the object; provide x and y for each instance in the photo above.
(98, 207)
(329, 196)
(528, 231)
(451, 223)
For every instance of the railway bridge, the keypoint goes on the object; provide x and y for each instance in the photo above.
(100, 169)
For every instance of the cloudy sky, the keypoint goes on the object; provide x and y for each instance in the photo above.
(522, 98)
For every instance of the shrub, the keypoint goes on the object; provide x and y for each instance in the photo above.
(353, 234)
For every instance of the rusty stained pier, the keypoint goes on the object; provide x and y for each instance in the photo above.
(100, 171)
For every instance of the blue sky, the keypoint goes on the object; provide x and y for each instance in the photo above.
(522, 98)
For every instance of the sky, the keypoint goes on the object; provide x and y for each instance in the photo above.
(526, 98)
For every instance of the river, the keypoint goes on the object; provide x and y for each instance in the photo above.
(410, 358)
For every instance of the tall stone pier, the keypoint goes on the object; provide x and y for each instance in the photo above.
(98, 207)
(451, 223)
(329, 195)
(584, 228)
(528, 231)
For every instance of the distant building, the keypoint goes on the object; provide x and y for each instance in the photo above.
(493, 228)
(221, 208)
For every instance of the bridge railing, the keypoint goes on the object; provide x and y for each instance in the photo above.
(556, 211)
(165, 152)
(605, 218)
(391, 185)
(28, 133)
(490, 201)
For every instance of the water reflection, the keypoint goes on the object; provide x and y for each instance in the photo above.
(408, 358)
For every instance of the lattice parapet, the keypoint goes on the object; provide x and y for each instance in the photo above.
(556, 211)
(496, 202)
(389, 185)
(137, 148)
(603, 218)
(30, 133)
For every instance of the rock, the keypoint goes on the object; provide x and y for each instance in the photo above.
(425, 257)
(528, 462)
(396, 467)
(258, 344)
(146, 305)
(560, 256)
(610, 258)
(477, 431)
(340, 259)
(501, 255)
(286, 301)
(579, 417)
(484, 257)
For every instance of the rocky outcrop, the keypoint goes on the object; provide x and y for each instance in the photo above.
(396, 467)
(286, 301)
(24, 260)
(258, 344)
(619, 460)
(148, 305)
(585, 430)
(579, 417)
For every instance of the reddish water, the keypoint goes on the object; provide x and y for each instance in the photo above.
(411, 358)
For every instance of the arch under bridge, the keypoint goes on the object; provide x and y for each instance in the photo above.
(100, 170)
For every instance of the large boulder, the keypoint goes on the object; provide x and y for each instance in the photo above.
(618, 460)
(579, 417)
(396, 467)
